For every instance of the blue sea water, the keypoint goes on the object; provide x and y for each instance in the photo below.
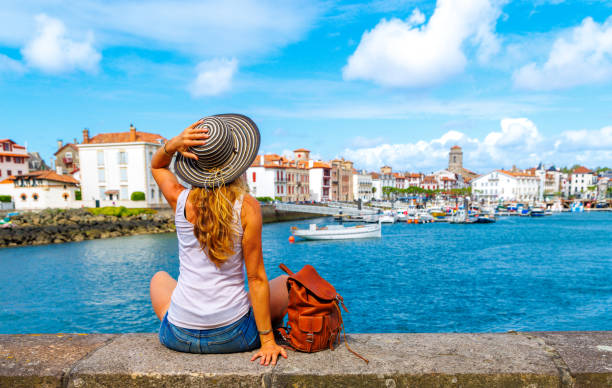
(549, 273)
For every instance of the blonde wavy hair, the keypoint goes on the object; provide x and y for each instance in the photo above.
(214, 218)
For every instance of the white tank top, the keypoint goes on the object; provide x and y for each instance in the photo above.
(207, 296)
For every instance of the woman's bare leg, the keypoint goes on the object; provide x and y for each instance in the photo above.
(162, 286)
(279, 299)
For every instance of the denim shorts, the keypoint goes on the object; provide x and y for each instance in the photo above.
(240, 336)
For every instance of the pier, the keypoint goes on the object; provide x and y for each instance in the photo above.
(515, 359)
(332, 210)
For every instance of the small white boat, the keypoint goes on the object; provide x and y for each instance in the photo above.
(425, 217)
(338, 232)
(388, 218)
(402, 215)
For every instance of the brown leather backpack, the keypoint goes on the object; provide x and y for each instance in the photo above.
(315, 319)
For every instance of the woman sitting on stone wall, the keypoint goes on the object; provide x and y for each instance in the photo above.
(218, 225)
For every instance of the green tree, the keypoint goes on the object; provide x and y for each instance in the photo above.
(5, 198)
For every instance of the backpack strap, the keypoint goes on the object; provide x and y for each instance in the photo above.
(284, 268)
(344, 333)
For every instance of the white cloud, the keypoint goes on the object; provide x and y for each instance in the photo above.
(416, 18)
(517, 143)
(51, 51)
(214, 77)
(580, 56)
(398, 53)
(203, 29)
(10, 65)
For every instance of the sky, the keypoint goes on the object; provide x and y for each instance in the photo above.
(394, 82)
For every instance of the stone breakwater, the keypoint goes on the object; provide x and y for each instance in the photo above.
(58, 226)
(530, 360)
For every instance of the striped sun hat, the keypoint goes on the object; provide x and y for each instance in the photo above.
(230, 149)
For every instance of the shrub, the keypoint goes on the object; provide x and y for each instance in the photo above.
(120, 211)
(137, 196)
(6, 198)
(264, 199)
(77, 195)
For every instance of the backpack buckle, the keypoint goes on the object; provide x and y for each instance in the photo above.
(310, 337)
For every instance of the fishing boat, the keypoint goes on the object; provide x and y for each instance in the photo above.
(537, 212)
(388, 218)
(338, 232)
(402, 215)
(484, 219)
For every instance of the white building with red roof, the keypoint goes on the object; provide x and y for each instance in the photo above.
(115, 165)
(13, 159)
(41, 190)
(523, 186)
(583, 182)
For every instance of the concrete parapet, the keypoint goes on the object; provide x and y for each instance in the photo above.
(546, 359)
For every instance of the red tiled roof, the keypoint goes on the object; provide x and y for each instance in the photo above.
(13, 154)
(71, 145)
(18, 146)
(124, 137)
(52, 176)
(301, 150)
(455, 147)
(582, 170)
(320, 165)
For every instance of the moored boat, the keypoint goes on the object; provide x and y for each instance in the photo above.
(338, 232)
(537, 212)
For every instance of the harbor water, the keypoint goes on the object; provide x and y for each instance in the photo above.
(520, 273)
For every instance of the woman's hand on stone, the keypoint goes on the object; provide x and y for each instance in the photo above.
(190, 137)
(268, 353)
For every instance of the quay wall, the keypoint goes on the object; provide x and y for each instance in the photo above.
(58, 226)
(514, 359)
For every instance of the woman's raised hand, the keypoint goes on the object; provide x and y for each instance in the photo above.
(269, 352)
(190, 137)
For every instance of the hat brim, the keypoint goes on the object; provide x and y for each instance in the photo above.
(246, 139)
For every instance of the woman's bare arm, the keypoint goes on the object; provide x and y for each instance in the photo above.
(258, 281)
(167, 182)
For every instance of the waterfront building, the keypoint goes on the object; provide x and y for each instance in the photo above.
(430, 182)
(115, 165)
(299, 178)
(448, 180)
(386, 176)
(36, 162)
(377, 186)
(400, 180)
(66, 158)
(13, 159)
(505, 185)
(342, 180)
(413, 179)
(267, 177)
(362, 186)
(582, 183)
(319, 175)
(41, 190)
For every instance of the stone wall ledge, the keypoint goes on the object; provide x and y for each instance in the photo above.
(523, 359)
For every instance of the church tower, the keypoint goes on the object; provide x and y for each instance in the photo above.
(455, 159)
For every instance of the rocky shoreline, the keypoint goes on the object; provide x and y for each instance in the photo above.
(54, 226)
(57, 226)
